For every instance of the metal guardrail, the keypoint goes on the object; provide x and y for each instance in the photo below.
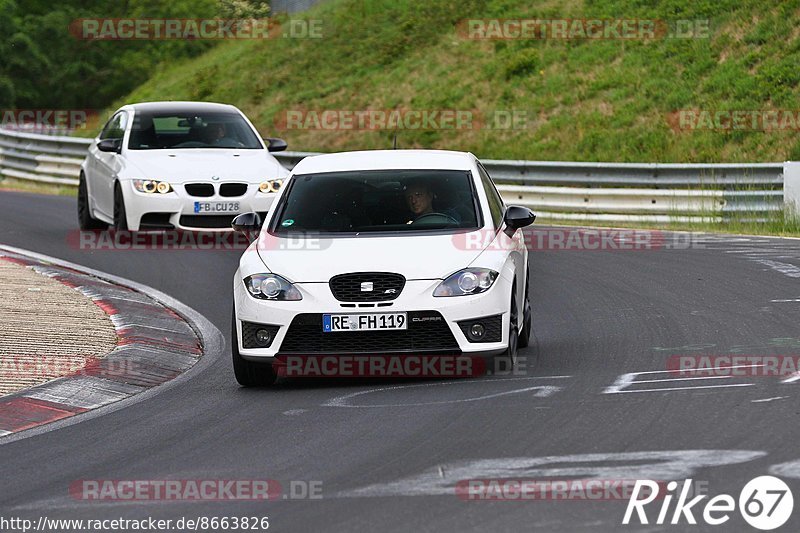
(610, 192)
(292, 6)
(633, 192)
(42, 158)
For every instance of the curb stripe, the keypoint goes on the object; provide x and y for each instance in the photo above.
(155, 344)
(20, 414)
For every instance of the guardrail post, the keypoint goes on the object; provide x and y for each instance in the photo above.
(791, 185)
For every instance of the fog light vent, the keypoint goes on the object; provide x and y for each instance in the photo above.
(483, 329)
(476, 332)
(258, 335)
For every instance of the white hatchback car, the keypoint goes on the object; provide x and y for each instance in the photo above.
(177, 165)
(381, 253)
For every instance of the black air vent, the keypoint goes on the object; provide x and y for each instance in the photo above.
(367, 286)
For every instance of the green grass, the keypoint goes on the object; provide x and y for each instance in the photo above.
(780, 225)
(11, 184)
(585, 100)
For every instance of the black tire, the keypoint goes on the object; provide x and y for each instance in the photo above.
(85, 220)
(120, 218)
(247, 373)
(506, 361)
(527, 319)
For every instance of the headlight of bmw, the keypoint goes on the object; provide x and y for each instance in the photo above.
(152, 186)
(270, 186)
(467, 281)
(271, 287)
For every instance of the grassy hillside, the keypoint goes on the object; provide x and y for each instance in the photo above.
(586, 100)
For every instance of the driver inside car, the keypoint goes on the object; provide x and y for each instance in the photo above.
(214, 133)
(419, 199)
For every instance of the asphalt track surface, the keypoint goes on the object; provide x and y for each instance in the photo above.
(388, 458)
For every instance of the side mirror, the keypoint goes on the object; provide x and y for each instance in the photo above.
(517, 217)
(275, 145)
(110, 145)
(247, 223)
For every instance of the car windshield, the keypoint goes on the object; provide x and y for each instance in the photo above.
(377, 201)
(171, 130)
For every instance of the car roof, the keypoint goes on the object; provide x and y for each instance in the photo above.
(386, 160)
(181, 107)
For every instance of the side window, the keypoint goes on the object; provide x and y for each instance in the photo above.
(496, 207)
(115, 128)
(123, 124)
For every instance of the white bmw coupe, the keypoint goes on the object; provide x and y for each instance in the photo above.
(381, 253)
(177, 165)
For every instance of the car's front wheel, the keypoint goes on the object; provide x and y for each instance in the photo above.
(248, 373)
(85, 219)
(505, 362)
(120, 215)
(527, 319)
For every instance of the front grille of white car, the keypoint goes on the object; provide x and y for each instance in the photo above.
(367, 286)
(230, 190)
(206, 221)
(202, 190)
(427, 332)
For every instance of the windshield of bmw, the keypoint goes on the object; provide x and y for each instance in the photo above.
(378, 201)
(162, 130)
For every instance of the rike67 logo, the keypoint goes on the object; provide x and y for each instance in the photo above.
(765, 503)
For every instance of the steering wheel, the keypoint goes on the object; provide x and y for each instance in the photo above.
(190, 144)
(441, 215)
(228, 142)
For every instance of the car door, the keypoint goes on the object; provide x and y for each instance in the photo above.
(93, 165)
(106, 165)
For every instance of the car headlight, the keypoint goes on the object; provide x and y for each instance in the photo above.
(270, 186)
(271, 287)
(152, 186)
(467, 281)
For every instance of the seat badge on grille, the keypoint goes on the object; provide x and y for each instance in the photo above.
(367, 286)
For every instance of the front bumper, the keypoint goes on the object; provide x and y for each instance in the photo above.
(177, 209)
(432, 335)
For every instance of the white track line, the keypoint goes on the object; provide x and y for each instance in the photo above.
(543, 391)
(678, 379)
(768, 399)
(684, 388)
